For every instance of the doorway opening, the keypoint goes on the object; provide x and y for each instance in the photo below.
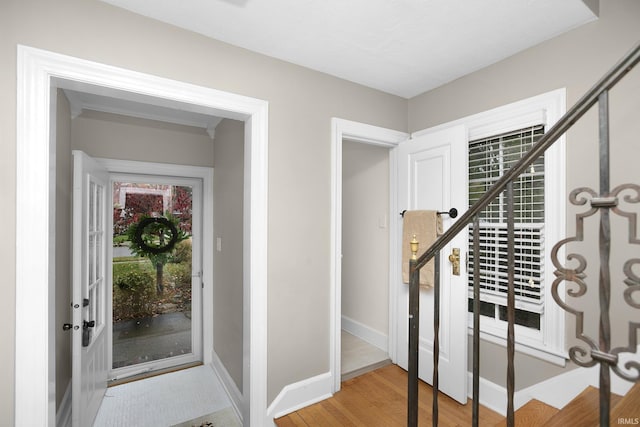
(156, 294)
(40, 73)
(345, 132)
(365, 258)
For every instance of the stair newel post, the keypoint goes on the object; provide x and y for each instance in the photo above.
(511, 310)
(605, 252)
(414, 323)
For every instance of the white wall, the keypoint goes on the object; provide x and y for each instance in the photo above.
(365, 235)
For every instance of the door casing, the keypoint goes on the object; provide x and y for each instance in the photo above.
(367, 134)
(39, 72)
(360, 132)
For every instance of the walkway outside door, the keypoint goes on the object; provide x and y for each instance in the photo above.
(432, 176)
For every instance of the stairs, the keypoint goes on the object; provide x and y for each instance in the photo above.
(533, 414)
(581, 411)
(628, 409)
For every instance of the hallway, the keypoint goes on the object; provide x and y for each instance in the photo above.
(359, 357)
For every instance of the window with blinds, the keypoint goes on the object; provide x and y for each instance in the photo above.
(489, 159)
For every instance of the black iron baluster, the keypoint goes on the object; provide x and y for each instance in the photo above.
(414, 323)
(511, 311)
(605, 251)
(436, 334)
(476, 321)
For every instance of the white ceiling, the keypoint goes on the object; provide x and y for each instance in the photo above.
(403, 47)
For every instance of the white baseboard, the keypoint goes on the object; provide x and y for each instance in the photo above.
(559, 390)
(366, 333)
(63, 415)
(492, 395)
(556, 391)
(237, 400)
(299, 395)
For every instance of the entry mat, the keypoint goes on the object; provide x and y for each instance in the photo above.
(223, 418)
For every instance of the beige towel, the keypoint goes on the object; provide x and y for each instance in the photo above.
(427, 226)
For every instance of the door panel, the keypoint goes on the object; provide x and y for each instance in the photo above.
(432, 176)
(157, 324)
(90, 364)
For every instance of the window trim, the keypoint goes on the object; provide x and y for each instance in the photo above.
(549, 343)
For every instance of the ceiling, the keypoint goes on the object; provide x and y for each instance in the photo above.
(402, 47)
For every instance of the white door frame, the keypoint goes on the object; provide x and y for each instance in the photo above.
(366, 134)
(38, 73)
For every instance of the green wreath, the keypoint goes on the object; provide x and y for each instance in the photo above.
(155, 235)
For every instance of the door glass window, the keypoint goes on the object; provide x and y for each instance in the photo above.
(152, 272)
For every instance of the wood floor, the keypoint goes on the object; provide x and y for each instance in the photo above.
(378, 398)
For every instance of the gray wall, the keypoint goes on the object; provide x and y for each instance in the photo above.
(64, 191)
(114, 136)
(301, 104)
(365, 244)
(575, 60)
(228, 182)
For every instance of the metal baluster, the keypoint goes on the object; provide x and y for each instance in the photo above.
(511, 311)
(414, 323)
(476, 321)
(436, 334)
(605, 249)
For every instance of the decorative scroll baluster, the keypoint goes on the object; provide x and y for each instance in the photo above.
(476, 321)
(603, 202)
(511, 310)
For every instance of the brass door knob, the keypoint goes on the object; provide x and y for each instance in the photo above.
(454, 258)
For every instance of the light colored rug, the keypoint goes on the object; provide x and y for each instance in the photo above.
(223, 418)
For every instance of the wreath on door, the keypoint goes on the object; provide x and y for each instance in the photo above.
(155, 235)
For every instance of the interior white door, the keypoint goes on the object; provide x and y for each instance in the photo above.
(90, 361)
(432, 176)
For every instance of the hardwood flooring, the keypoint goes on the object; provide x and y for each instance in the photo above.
(378, 398)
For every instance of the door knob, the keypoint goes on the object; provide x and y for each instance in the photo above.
(454, 258)
(86, 332)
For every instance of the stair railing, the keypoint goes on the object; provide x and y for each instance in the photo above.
(604, 201)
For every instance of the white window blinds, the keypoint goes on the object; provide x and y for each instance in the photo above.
(489, 159)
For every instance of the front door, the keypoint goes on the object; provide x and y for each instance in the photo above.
(431, 176)
(156, 309)
(90, 352)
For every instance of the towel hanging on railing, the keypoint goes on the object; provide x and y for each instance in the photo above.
(426, 226)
